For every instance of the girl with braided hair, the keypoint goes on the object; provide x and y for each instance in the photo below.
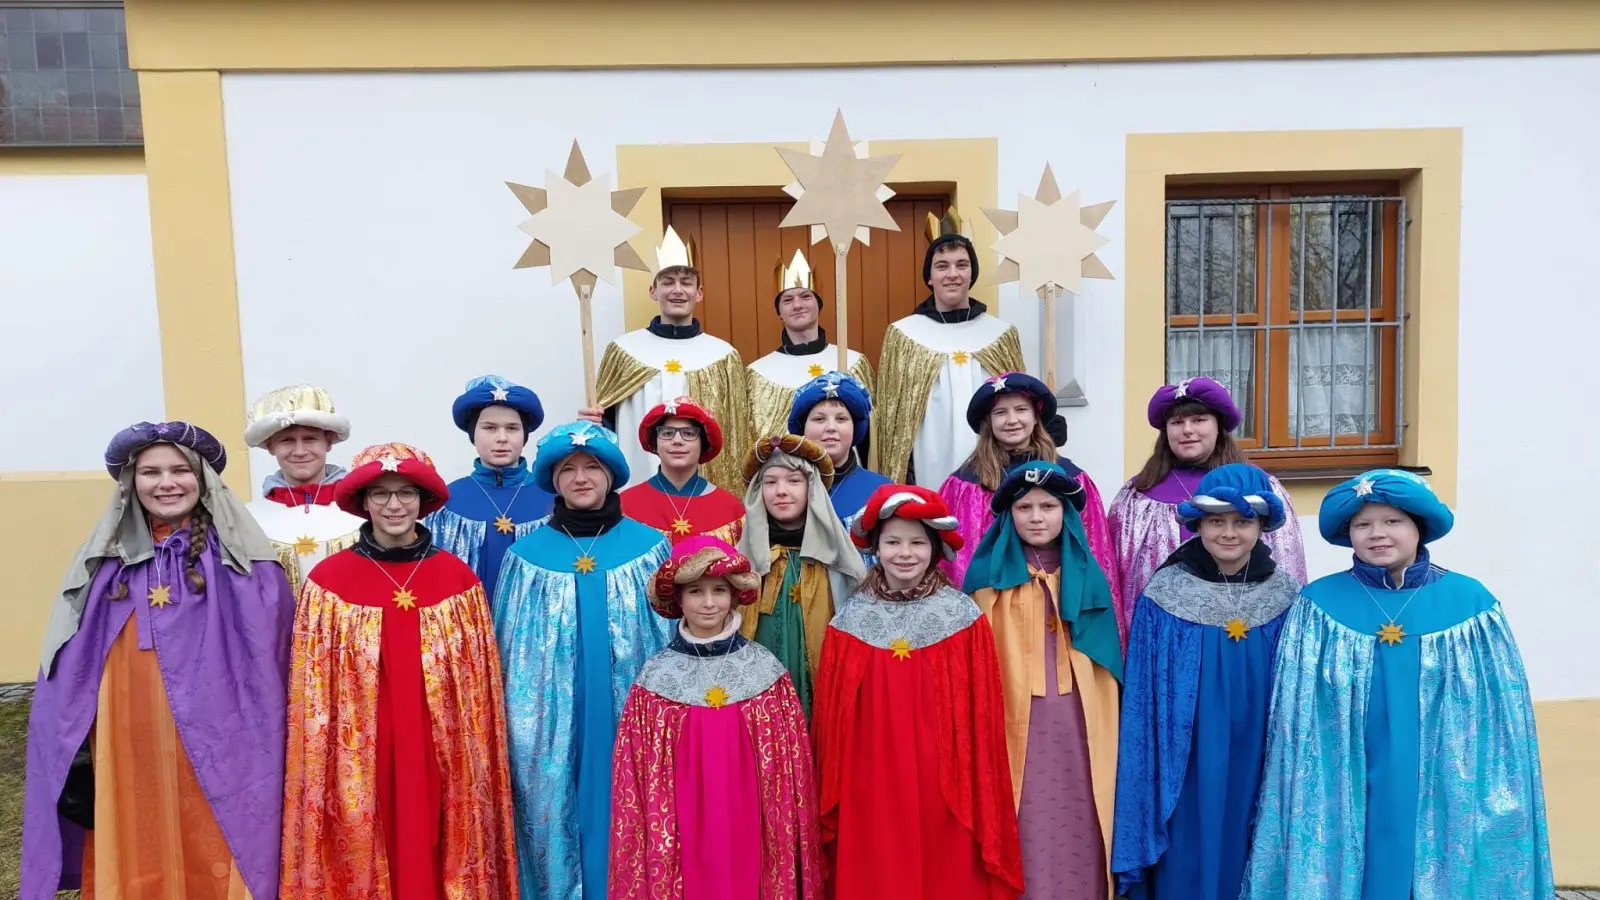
(156, 741)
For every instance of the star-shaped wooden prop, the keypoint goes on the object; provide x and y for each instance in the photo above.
(580, 229)
(1047, 244)
(841, 193)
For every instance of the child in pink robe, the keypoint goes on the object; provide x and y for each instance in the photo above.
(713, 794)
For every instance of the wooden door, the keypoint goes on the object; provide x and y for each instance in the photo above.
(739, 244)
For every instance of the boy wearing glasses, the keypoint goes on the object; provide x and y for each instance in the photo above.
(397, 770)
(677, 500)
(298, 425)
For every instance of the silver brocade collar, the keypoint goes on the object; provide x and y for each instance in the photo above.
(685, 678)
(1193, 599)
(919, 623)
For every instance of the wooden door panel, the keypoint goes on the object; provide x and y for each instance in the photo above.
(739, 245)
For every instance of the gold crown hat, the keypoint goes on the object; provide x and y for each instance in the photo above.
(950, 223)
(674, 251)
(794, 274)
(296, 404)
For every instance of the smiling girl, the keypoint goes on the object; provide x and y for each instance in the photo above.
(713, 793)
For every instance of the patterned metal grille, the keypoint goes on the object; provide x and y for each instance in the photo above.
(64, 77)
(1297, 306)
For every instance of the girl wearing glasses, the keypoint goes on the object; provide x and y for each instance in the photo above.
(397, 776)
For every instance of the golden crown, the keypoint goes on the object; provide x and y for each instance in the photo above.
(795, 274)
(674, 251)
(950, 224)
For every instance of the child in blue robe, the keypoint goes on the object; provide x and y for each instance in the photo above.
(498, 503)
(834, 410)
(1197, 681)
(1401, 758)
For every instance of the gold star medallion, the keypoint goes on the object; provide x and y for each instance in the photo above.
(901, 648)
(794, 592)
(160, 595)
(960, 357)
(673, 366)
(1391, 634)
(814, 370)
(304, 544)
(584, 564)
(681, 526)
(404, 599)
(503, 524)
(716, 696)
(1237, 630)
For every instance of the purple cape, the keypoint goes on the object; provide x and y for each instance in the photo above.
(224, 658)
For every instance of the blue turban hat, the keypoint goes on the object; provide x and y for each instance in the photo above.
(1235, 487)
(578, 437)
(833, 386)
(491, 390)
(1401, 490)
(1085, 601)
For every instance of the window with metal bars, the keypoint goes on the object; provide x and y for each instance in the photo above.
(1293, 297)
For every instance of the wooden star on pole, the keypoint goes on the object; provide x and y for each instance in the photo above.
(840, 190)
(883, 193)
(1050, 239)
(580, 227)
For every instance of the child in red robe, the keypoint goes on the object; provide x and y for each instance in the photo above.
(713, 796)
(915, 785)
(677, 500)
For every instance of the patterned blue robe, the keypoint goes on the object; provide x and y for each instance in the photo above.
(1398, 771)
(571, 646)
(1193, 731)
(465, 526)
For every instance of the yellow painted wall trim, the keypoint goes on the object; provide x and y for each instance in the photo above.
(505, 34)
(971, 164)
(1569, 732)
(1428, 163)
(73, 161)
(35, 548)
(191, 231)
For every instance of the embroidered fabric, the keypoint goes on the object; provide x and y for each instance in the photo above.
(683, 678)
(922, 623)
(1192, 599)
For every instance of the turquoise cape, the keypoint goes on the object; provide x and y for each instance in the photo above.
(571, 646)
(1398, 771)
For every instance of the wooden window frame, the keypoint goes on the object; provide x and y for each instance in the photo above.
(1317, 456)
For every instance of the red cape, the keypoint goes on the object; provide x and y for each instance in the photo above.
(717, 512)
(921, 736)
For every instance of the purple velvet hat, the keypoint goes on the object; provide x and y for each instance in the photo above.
(129, 441)
(1202, 390)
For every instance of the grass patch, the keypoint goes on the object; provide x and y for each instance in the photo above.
(13, 761)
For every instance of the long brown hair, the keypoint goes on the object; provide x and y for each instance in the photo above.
(989, 460)
(199, 534)
(1162, 460)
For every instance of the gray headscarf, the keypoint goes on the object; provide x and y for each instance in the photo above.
(123, 533)
(826, 539)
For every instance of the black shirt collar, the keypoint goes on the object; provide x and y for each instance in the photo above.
(790, 348)
(419, 549)
(949, 317)
(674, 332)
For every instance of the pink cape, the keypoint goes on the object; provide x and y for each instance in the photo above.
(1146, 531)
(658, 799)
(969, 503)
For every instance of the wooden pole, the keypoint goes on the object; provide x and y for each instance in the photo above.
(584, 283)
(841, 281)
(1048, 292)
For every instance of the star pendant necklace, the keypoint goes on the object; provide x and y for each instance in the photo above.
(681, 526)
(1235, 627)
(1391, 634)
(403, 598)
(159, 595)
(502, 522)
(717, 693)
(585, 563)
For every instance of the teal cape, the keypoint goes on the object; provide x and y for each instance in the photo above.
(571, 646)
(1399, 771)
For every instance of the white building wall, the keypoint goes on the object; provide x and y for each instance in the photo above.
(375, 241)
(82, 354)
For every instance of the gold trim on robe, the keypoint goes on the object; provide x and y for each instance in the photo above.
(720, 387)
(332, 832)
(816, 603)
(1020, 624)
(907, 372)
(770, 402)
(620, 377)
